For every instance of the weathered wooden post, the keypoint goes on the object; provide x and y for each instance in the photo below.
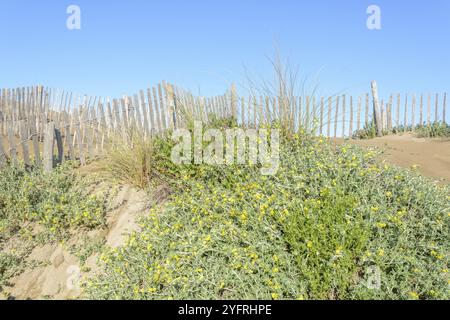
(49, 138)
(23, 134)
(170, 101)
(389, 114)
(376, 110)
(436, 117)
(60, 145)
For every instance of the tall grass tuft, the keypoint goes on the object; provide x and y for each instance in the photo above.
(128, 158)
(282, 93)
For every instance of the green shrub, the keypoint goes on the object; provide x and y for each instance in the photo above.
(314, 230)
(57, 200)
(327, 238)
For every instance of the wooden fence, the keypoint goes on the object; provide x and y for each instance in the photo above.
(44, 126)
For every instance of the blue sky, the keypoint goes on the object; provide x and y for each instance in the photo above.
(124, 46)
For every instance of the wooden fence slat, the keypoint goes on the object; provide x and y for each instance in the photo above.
(78, 137)
(12, 145)
(116, 116)
(358, 115)
(170, 102)
(366, 113)
(421, 110)
(389, 114)
(157, 109)
(126, 123)
(136, 107)
(376, 110)
(322, 102)
(93, 127)
(336, 117)
(151, 112)
(268, 114)
(405, 122)
(429, 110)
(329, 117)
(49, 137)
(68, 137)
(23, 127)
(144, 113)
(350, 127)
(436, 108)
(444, 106)
(233, 97)
(59, 144)
(35, 139)
(163, 108)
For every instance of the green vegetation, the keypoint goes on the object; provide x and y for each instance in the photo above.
(57, 200)
(315, 230)
(9, 266)
(434, 130)
(36, 206)
(367, 132)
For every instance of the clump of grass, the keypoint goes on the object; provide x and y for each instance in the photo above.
(434, 130)
(128, 158)
(367, 132)
(312, 231)
(286, 86)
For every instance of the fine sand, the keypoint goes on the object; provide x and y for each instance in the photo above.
(431, 156)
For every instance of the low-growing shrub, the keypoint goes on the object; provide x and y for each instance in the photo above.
(317, 229)
(57, 200)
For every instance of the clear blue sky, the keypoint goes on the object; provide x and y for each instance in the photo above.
(124, 46)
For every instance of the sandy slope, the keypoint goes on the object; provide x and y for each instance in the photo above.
(59, 269)
(432, 156)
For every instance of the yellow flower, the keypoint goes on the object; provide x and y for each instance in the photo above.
(381, 225)
(413, 295)
(274, 296)
(380, 252)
